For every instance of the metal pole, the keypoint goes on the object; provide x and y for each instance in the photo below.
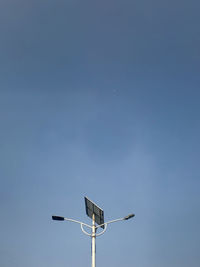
(93, 242)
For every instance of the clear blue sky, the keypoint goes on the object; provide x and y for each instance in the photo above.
(100, 98)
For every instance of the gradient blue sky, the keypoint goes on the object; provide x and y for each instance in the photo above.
(100, 98)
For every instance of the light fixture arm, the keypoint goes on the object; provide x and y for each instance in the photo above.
(117, 220)
(101, 233)
(103, 230)
(75, 221)
(83, 230)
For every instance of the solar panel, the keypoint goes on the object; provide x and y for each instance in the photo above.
(92, 208)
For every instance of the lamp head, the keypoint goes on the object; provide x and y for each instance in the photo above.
(58, 218)
(129, 216)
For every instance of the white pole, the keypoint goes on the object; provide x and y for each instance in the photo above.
(93, 242)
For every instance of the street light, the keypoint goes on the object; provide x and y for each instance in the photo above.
(97, 216)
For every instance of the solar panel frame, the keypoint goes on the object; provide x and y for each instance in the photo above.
(92, 208)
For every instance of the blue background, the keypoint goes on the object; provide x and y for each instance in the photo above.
(100, 98)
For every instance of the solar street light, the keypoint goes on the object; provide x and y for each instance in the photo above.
(97, 216)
